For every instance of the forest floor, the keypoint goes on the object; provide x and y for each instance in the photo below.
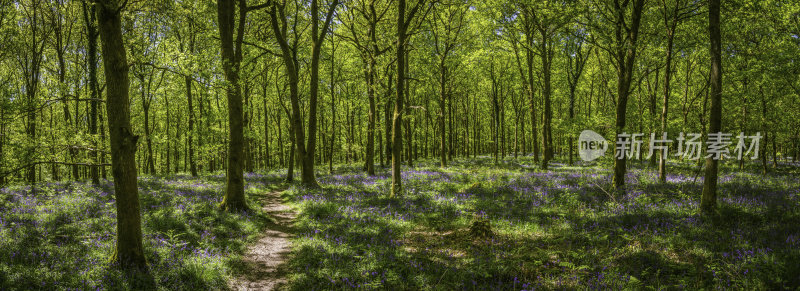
(263, 266)
(473, 225)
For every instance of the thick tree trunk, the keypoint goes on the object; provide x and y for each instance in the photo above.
(234, 191)
(128, 251)
(708, 202)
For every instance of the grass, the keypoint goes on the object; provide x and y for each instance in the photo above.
(471, 226)
(562, 229)
(61, 235)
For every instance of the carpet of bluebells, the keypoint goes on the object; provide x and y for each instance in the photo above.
(59, 235)
(557, 229)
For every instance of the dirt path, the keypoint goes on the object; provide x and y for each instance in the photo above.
(264, 261)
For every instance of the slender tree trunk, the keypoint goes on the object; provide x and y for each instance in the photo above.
(190, 134)
(280, 140)
(774, 150)
(176, 144)
(397, 137)
(708, 202)
(333, 129)
(247, 113)
(102, 144)
(626, 54)
(662, 163)
(442, 100)
(149, 164)
(547, 132)
(495, 118)
(571, 142)
(370, 163)
(450, 135)
(387, 120)
(765, 168)
(267, 154)
(91, 36)
(32, 73)
(317, 39)
(292, 154)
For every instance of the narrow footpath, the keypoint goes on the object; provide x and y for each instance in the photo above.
(264, 262)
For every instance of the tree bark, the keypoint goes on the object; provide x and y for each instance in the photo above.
(662, 163)
(708, 202)
(234, 190)
(546, 52)
(370, 156)
(626, 56)
(190, 134)
(91, 60)
(397, 137)
(128, 250)
(442, 100)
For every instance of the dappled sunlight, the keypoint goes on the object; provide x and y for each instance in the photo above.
(557, 229)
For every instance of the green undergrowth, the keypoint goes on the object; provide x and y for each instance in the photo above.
(59, 236)
(478, 226)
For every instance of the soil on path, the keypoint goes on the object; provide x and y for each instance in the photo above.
(263, 265)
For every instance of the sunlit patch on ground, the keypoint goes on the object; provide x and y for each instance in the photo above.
(558, 229)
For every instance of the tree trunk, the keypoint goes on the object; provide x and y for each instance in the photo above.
(370, 163)
(333, 126)
(103, 173)
(626, 54)
(91, 35)
(149, 164)
(190, 134)
(662, 163)
(397, 137)
(442, 100)
(128, 251)
(708, 202)
(234, 191)
(547, 132)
